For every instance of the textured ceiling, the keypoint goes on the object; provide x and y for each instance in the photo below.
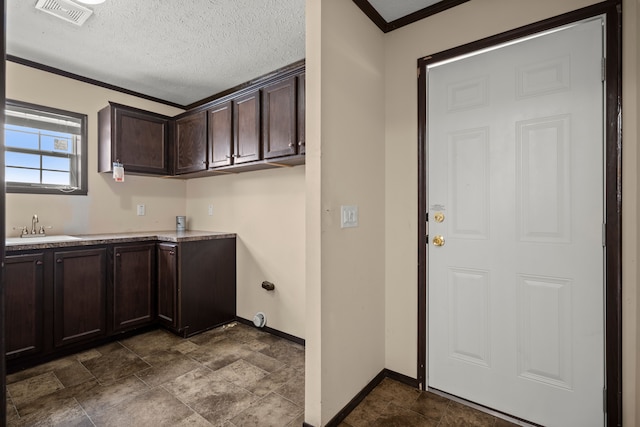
(392, 10)
(178, 51)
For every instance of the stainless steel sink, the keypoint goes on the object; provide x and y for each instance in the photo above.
(39, 239)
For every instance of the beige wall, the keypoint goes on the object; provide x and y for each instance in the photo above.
(313, 214)
(346, 63)
(360, 310)
(463, 24)
(337, 41)
(109, 207)
(266, 210)
(630, 240)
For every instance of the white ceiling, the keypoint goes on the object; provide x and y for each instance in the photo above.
(177, 51)
(392, 10)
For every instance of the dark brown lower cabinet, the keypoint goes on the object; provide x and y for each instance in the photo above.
(133, 292)
(66, 299)
(202, 294)
(167, 284)
(79, 295)
(24, 304)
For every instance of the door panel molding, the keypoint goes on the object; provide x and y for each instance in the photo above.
(613, 187)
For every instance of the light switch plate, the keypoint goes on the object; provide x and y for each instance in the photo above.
(141, 210)
(348, 216)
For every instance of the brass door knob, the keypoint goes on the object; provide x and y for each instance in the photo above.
(439, 217)
(438, 241)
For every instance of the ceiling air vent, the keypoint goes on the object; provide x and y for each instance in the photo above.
(65, 9)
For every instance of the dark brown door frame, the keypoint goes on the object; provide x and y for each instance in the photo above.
(612, 10)
(3, 379)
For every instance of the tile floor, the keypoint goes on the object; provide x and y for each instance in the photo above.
(394, 404)
(231, 377)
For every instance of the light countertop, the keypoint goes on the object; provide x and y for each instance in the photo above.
(24, 243)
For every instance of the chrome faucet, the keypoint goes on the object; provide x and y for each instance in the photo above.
(34, 221)
(24, 231)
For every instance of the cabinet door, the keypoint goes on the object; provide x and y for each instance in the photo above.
(79, 295)
(302, 142)
(279, 119)
(191, 143)
(167, 284)
(24, 302)
(208, 284)
(220, 135)
(246, 126)
(140, 141)
(133, 286)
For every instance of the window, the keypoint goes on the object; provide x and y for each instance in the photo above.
(45, 150)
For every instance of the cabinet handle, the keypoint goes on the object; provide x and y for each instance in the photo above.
(291, 144)
(172, 253)
(235, 156)
(226, 156)
(38, 262)
(59, 260)
(204, 162)
(300, 143)
(118, 255)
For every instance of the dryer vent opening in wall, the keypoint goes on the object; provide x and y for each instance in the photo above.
(65, 9)
(260, 319)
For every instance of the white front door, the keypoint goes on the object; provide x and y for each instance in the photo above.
(515, 291)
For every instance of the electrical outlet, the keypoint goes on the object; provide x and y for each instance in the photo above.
(210, 210)
(141, 210)
(348, 216)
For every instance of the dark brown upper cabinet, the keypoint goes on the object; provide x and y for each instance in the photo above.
(190, 141)
(136, 138)
(220, 135)
(302, 142)
(257, 125)
(246, 126)
(279, 119)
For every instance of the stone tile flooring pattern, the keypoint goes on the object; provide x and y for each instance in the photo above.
(233, 376)
(394, 404)
(229, 377)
